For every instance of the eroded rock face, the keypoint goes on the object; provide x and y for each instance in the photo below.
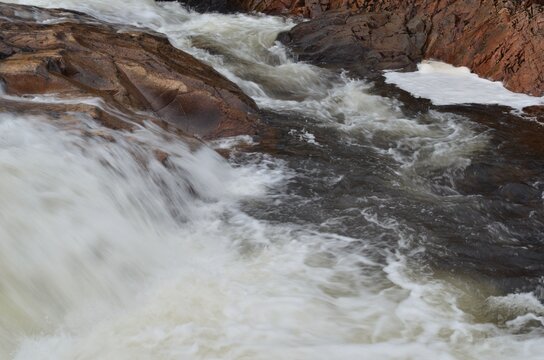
(315, 8)
(130, 71)
(502, 42)
(499, 40)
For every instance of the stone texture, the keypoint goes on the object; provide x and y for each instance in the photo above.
(536, 112)
(130, 71)
(497, 39)
(364, 43)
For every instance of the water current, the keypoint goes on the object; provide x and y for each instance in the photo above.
(364, 230)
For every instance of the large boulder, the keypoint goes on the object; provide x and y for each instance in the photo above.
(364, 42)
(72, 55)
(498, 40)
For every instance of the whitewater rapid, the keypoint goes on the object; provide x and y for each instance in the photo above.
(108, 253)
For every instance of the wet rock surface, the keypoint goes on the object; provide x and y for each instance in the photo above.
(498, 40)
(136, 75)
(364, 43)
(535, 112)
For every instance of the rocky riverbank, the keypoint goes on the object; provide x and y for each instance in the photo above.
(498, 40)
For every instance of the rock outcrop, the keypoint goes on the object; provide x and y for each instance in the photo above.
(497, 39)
(135, 75)
(364, 42)
(315, 8)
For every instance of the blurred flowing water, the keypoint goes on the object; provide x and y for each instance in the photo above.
(362, 230)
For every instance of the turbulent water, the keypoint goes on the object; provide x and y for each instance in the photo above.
(366, 231)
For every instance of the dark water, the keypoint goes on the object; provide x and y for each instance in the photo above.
(484, 220)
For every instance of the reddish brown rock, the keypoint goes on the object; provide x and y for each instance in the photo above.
(130, 71)
(536, 112)
(314, 8)
(502, 41)
(498, 40)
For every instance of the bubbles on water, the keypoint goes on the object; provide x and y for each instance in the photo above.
(516, 309)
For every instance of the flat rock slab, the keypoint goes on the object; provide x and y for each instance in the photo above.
(72, 55)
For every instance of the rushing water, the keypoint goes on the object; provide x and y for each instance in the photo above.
(363, 231)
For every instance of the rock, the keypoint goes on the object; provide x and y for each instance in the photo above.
(314, 8)
(221, 6)
(306, 8)
(501, 41)
(536, 112)
(498, 40)
(514, 136)
(364, 42)
(483, 178)
(128, 70)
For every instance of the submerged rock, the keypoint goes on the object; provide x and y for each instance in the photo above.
(72, 55)
(520, 193)
(498, 40)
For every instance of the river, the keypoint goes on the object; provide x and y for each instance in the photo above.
(364, 231)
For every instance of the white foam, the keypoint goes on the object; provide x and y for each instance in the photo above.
(232, 142)
(445, 84)
(121, 261)
(304, 135)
